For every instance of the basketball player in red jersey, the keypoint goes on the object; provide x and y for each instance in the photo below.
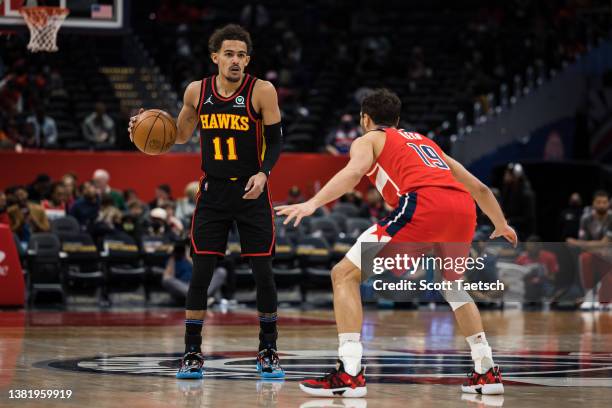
(433, 196)
(239, 125)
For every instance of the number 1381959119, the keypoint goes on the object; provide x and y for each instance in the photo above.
(40, 394)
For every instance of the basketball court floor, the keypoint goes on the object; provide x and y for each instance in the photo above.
(129, 358)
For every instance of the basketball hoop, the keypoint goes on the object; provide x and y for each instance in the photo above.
(44, 24)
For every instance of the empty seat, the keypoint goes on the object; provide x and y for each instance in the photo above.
(348, 209)
(65, 225)
(314, 257)
(355, 226)
(44, 266)
(327, 226)
(284, 265)
(123, 264)
(82, 268)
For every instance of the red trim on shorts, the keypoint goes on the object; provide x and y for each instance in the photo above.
(202, 93)
(195, 248)
(248, 101)
(212, 85)
(273, 230)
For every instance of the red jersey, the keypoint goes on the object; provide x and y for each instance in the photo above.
(409, 161)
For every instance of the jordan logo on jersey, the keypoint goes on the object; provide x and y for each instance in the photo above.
(225, 121)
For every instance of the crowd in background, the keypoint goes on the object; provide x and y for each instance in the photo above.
(102, 210)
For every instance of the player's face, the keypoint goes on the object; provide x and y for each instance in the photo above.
(232, 59)
(601, 204)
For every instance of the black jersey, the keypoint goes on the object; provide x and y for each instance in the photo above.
(231, 136)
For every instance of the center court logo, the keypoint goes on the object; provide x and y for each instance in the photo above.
(388, 366)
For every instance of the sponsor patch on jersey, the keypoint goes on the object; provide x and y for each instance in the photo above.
(239, 102)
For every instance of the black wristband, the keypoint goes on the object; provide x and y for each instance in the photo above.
(274, 137)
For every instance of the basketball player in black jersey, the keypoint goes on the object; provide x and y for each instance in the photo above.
(240, 135)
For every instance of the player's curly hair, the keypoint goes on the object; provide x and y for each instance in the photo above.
(383, 106)
(229, 32)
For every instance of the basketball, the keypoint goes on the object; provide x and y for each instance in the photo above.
(154, 132)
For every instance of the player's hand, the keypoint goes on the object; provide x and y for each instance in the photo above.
(255, 186)
(295, 211)
(133, 120)
(507, 232)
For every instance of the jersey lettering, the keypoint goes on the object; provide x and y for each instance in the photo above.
(225, 121)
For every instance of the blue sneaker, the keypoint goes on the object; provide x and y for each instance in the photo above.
(192, 367)
(268, 364)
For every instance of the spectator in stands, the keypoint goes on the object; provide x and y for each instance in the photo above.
(86, 207)
(70, 185)
(4, 218)
(163, 194)
(294, 196)
(136, 210)
(109, 221)
(44, 128)
(133, 220)
(569, 222)
(158, 224)
(595, 235)
(40, 188)
(130, 196)
(540, 281)
(339, 140)
(185, 206)
(55, 207)
(174, 224)
(26, 217)
(178, 274)
(353, 197)
(518, 200)
(101, 179)
(374, 207)
(99, 128)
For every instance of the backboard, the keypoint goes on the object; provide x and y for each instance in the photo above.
(87, 14)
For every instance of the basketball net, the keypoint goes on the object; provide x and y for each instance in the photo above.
(44, 24)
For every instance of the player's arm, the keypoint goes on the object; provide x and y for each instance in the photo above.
(266, 99)
(485, 199)
(188, 116)
(362, 158)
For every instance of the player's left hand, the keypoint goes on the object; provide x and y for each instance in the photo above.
(297, 211)
(255, 186)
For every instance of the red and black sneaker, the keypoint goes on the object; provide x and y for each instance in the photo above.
(489, 383)
(338, 383)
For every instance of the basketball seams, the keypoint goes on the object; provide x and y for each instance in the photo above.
(163, 145)
(149, 134)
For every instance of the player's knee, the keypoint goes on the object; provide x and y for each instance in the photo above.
(341, 274)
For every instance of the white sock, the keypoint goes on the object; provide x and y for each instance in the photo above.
(350, 352)
(481, 352)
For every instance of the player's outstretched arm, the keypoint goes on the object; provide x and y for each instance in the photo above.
(362, 158)
(188, 116)
(485, 199)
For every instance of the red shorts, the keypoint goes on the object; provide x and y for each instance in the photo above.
(432, 218)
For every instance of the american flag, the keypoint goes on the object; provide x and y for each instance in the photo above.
(102, 11)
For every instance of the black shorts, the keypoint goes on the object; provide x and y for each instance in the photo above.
(219, 204)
